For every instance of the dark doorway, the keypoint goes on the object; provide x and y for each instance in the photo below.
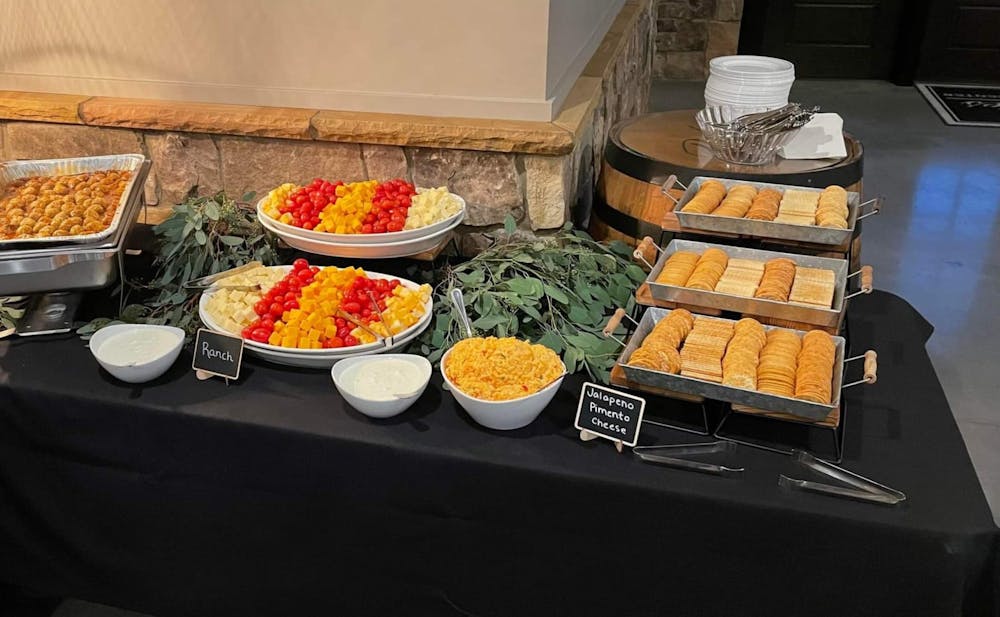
(898, 40)
(963, 44)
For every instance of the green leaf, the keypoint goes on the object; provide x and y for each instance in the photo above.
(531, 311)
(551, 340)
(212, 210)
(524, 258)
(472, 278)
(489, 322)
(231, 240)
(526, 286)
(509, 225)
(556, 294)
(248, 196)
(200, 237)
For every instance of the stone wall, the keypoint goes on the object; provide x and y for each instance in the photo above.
(541, 173)
(692, 32)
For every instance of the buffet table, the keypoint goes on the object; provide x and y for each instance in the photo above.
(268, 496)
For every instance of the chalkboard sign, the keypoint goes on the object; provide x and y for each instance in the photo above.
(218, 354)
(610, 413)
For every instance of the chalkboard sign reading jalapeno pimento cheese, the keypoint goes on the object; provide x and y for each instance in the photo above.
(609, 413)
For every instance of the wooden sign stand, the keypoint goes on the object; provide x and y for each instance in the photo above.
(586, 435)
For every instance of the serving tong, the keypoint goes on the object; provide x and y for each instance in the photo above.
(205, 282)
(863, 489)
(672, 454)
(790, 116)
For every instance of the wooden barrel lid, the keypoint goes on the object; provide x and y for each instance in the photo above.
(654, 146)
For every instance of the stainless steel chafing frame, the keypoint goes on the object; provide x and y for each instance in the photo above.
(72, 266)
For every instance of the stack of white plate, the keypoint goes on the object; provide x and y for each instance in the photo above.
(323, 358)
(748, 84)
(363, 246)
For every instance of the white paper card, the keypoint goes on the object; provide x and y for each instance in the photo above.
(821, 138)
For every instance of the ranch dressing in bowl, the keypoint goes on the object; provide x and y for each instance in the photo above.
(381, 379)
(134, 347)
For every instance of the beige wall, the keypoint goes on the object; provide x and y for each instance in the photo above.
(479, 58)
(575, 29)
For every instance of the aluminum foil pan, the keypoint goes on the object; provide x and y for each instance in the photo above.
(15, 170)
(729, 394)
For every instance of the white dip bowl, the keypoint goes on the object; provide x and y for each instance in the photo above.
(137, 353)
(347, 372)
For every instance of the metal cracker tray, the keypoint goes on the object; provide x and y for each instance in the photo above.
(827, 317)
(720, 392)
(15, 170)
(66, 267)
(814, 234)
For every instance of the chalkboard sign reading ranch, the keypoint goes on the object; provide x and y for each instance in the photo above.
(610, 413)
(218, 354)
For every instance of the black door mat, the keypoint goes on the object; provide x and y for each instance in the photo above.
(964, 105)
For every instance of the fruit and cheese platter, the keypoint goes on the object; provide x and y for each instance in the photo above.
(367, 219)
(311, 316)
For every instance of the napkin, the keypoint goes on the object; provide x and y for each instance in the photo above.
(821, 138)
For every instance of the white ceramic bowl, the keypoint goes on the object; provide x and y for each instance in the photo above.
(343, 372)
(382, 250)
(503, 415)
(135, 373)
(350, 239)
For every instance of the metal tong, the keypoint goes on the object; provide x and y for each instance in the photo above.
(791, 116)
(864, 489)
(650, 454)
(209, 281)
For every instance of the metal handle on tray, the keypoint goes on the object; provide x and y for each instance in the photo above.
(876, 207)
(643, 248)
(871, 368)
(867, 275)
(669, 184)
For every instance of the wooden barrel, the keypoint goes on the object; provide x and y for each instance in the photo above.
(642, 152)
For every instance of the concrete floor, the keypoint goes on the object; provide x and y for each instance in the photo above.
(936, 243)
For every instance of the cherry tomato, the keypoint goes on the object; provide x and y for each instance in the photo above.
(294, 284)
(304, 275)
(260, 335)
(276, 310)
(379, 228)
(336, 341)
(260, 307)
(395, 226)
(394, 283)
(290, 304)
(267, 321)
(343, 331)
(376, 317)
(350, 341)
(366, 313)
(314, 269)
(300, 263)
(351, 307)
(366, 228)
(246, 332)
(340, 321)
(381, 285)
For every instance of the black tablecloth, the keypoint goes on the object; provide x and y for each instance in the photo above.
(269, 497)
